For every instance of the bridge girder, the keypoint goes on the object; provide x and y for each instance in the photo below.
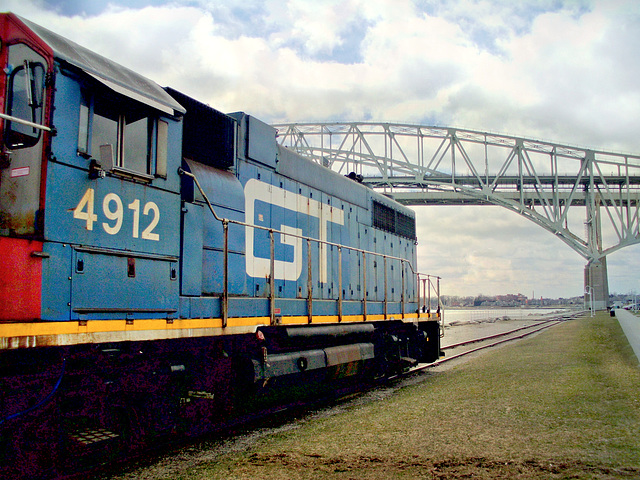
(539, 180)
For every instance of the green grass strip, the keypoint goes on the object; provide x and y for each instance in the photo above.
(562, 404)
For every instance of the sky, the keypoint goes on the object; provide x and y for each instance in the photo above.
(563, 71)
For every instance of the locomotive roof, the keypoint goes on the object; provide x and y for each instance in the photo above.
(333, 183)
(115, 76)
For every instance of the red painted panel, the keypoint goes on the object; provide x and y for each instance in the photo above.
(20, 279)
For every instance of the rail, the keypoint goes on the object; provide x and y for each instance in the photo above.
(427, 281)
(543, 326)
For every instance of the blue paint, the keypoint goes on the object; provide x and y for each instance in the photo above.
(96, 229)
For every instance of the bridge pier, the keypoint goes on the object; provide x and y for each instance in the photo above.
(596, 281)
(596, 284)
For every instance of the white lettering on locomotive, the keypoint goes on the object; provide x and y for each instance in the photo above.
(85, 211)
(259, 265)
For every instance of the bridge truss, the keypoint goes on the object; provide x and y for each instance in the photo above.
(548, 183)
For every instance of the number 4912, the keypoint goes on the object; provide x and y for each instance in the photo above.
(113, 210)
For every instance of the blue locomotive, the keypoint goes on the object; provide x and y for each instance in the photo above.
(164, 264)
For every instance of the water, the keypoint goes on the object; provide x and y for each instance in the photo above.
(479, 314)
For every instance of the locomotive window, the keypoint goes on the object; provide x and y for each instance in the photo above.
(26, 89)
(83, 131)
(135, 145)
(162, 141)
(104, 130)
(123, 134)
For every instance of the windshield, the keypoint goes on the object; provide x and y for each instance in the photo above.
(24, 102)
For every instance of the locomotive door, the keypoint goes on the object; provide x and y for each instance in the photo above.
(22, 142)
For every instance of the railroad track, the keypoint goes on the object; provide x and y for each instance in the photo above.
(500, 338)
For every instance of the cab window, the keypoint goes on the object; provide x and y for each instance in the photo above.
(25, 101)
(136, 136)
(120, 135)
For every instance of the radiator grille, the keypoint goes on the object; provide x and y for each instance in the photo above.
(390, 220)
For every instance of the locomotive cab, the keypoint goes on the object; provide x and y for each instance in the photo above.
(89, 216)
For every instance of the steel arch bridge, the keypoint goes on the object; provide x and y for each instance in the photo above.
(548, 183)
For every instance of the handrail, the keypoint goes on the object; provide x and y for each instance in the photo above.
(226, 221)
(24, 122)
(427, 300)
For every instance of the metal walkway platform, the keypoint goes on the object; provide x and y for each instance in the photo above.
(631, 326)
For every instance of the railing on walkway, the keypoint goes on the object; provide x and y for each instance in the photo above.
(428, 284)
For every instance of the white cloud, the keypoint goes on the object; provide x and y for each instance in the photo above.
(490, 250)
(317, 24)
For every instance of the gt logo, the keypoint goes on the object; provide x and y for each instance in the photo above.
(257, 193)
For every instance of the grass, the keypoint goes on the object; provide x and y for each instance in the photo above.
(563, 404)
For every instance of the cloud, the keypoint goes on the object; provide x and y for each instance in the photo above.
(489, 250)
(541, 70)
(568, 79)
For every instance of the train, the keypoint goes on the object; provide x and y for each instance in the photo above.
(165, 266)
